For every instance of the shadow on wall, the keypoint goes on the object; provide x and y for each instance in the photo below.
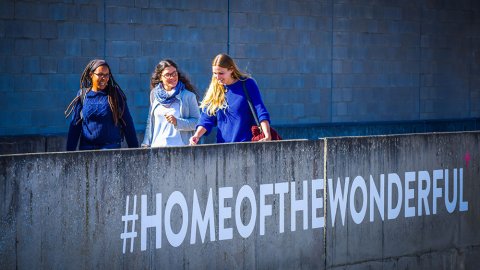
(56, 143)
(10, 145)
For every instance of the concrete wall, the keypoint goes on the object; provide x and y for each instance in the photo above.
(56, 143)
(315, 61)
(426, 236)
(279, 205)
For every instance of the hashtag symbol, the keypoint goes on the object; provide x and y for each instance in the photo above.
(126, 219)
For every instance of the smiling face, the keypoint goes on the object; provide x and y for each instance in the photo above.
(100, 77)
(169, 78)
(223, 75)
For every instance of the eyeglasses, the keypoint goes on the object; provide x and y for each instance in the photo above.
(170, 75)
(100, 75)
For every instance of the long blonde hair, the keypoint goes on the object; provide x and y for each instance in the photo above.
(214, 99)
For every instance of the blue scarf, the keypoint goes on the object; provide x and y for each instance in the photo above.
(162, 96)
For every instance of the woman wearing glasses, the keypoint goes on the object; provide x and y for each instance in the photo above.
(100, 115)
(173, 111)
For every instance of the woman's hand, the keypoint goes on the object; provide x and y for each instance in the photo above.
(266, 131)
(171, 119)
(266, 139)
(196, 137)
(194, 140)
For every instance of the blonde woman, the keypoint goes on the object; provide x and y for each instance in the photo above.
(225, 105)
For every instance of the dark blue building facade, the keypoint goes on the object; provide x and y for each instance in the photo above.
(324, 64)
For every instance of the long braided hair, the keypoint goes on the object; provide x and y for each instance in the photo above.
(116, 97)
(155, 79)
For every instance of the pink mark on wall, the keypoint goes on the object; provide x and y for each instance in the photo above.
(467, 159)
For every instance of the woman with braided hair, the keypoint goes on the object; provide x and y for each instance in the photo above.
(100, 115)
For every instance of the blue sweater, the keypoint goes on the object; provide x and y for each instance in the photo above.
(234, 123)
(97, 129)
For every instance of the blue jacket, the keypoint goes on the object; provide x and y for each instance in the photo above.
(96, 129)
(235, 122)
(189, 114)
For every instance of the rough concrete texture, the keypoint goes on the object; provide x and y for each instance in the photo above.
(64, 210)
(422, 239)
(69, 210)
